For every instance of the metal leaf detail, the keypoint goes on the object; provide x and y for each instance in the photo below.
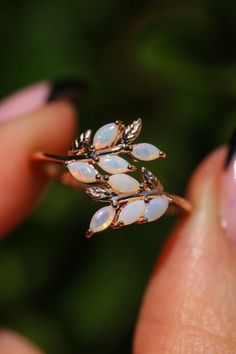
(99, 193)
(85, 138)
(75, 145)
(131, 132)
(151, 181)
(83, 141)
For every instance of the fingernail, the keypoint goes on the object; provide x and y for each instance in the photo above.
(71, 90)
(35, 96)
(228, 191)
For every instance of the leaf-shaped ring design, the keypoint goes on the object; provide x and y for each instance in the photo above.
(130, 201)
(146, 203)
(108, 143)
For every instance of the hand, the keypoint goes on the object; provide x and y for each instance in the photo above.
(190, 302)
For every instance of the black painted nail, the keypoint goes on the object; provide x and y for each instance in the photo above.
(72, 90)
(232, 149)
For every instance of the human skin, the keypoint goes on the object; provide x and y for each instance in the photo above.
(189, 305)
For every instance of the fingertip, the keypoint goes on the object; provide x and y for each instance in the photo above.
(54, 126)
(12, 343)
(206, 177)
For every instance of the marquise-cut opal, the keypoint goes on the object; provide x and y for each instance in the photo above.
(132, 212)
(113, 164)
(102, 219)
(156, 208)
(82, 171)
(145, 152)
(123, 183)
(105, 136)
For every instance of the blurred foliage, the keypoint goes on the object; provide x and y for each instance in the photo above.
(173, 64)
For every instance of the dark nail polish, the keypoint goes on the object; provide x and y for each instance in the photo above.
(232, 149)
(71, 90)
(228, 192)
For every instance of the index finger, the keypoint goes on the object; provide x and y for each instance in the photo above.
(50, 128)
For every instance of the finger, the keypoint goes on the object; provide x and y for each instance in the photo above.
(48, 129)
(11, 343)
(190, 302)
(35, 96)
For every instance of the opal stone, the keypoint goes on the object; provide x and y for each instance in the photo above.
(113, 164)
(105, 136)
(123, 183)
(132, 212)
(82, 171)
(145, 152)
(102, 219)
(156, 208)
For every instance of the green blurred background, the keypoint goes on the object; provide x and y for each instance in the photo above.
(173, 64)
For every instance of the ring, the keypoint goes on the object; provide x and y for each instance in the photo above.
(129, 201)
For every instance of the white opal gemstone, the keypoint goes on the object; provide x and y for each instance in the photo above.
(113, 164)
(82, 171)
(145, 152)
(132, 212)
(102, 219)
(105, 136)
(123, 183)
(156, 208)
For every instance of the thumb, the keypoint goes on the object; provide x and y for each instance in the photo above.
(190, 302)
